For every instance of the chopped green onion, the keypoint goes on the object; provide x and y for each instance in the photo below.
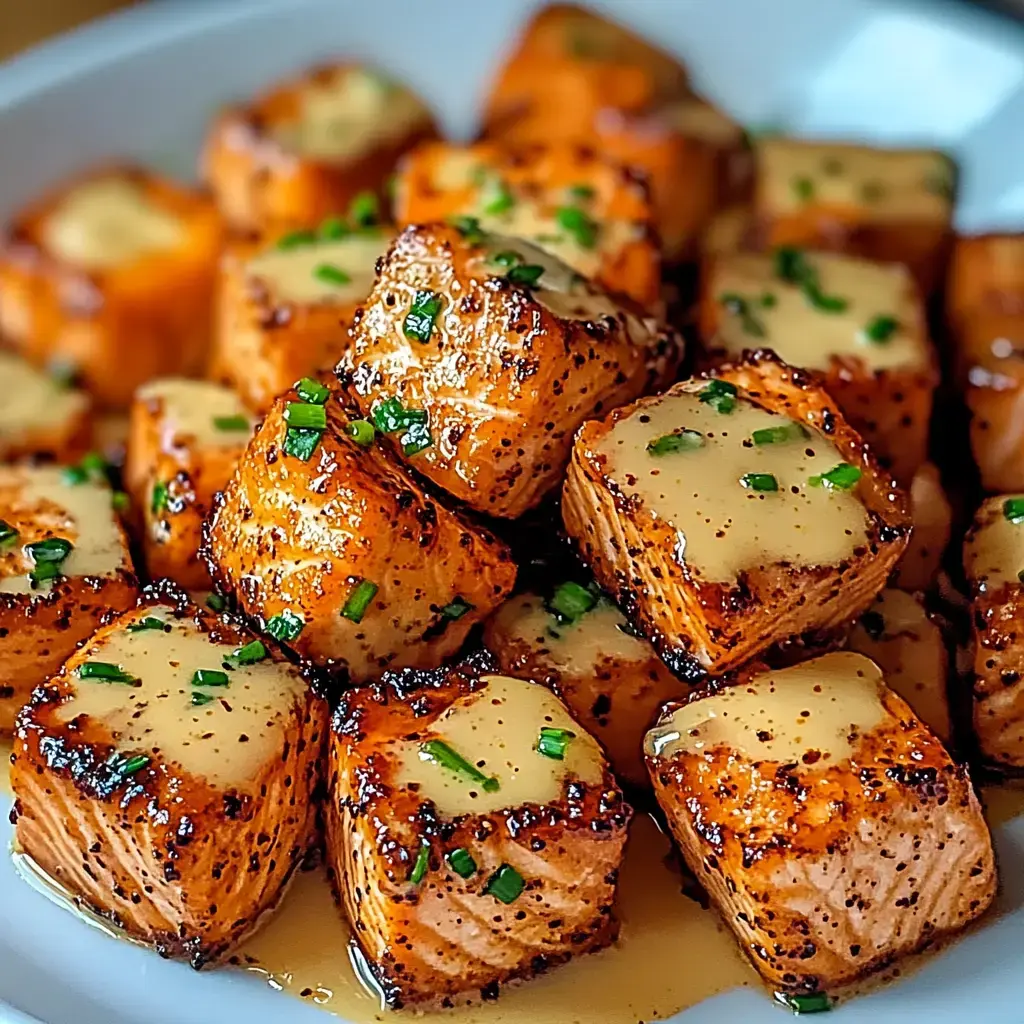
(93, 467)
(74, 475)
(804, 188)
(416, 439)
(419, 868)
(570, 601)
(103, 671)
(780, 435)
(359, 600)
(792, 265)
(231, 422)
(361, 431)
(129, 765)
(768, 300)
(305, 415)
(311, 391)
(210, 677)
(841, 477)
(419, 321)
(441, 754)
(1013, 510)
(527, 275)
(507, 258)
(461, 862)
(740, 307)
(332, 229)
(249, 654)
(199, 698)
(941, 181)
(301, 442)
(582, 192)
(364, 210)
(496, 198)
(1020, 576)
(506, 884)
(810, 1002)
(285, 626)
(330, 274)
(150, 622)
(469, 228)
(120, 502)
(296, 239)
(825, 303)
(759, 482)
(580, 225)
(880, 329)
(719, 394)
(216, 602)
(8, 534)
(63, 373)
(390, 417)
(679, 441)
(52, 551)
(456, 608)
(158, 499)
(553, 742)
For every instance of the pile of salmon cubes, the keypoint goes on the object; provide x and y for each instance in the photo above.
(274, 453)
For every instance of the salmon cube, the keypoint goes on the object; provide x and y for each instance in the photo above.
(310, 146)
(64, 564)
(908, 645)
(41, 417)
(474, 830)
(994, 563)
(932, 515)
(893, 205)
(732, 513)
(506, 350)
(186, 437)
(284, 309)
(829, 826)
(332, 547)
(165, 776)
(986, 274)
(859, 326)
(581, 646)
(110, 278)
(567, 198)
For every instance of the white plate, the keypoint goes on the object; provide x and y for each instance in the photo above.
(145, 83)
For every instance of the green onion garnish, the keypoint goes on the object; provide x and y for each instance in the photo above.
(419, 868)
(759, 482)
(120, 502)
(150, 622)
(780, 435)
(216, 602)
(332, 229)
(249, 654)
(469, 228)
(552, 742)
(129, 765)
(506, 258)
(505, 884)
(231, 422)
(768, 300)
(8, 534)
(441, 754)
(390, 417)
(461, 862)
(527, 275)
(810, 1002)
(841, 477)
(496, 198)
(881, 328)
(330, 274)
(48, 556)
(296, 239)
(582, 192)
(301, 442)
(158, 499)
(679, 441)
(210, 677)
(456, 608)
(305, 415)
(364, 209)
(416, 439)
(361, 431)
(803, 188)
(570, 601)
(199, 698)
(1020, 576)
(792, 266)
(719, 394)
(580, 225)
(419, 321)
(1013, 510)
(740, 307)
(103, 671)
(284, 626)
(311, 391)
(359, 600)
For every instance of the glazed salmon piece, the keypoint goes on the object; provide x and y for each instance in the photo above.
(110, 280)
(164, 778)
(506, 350)
(986, 275)
(732, 513)
(933, 526)
(64, 565)
(581, 646)
(474, 830)
(831, 829)
(333, 548)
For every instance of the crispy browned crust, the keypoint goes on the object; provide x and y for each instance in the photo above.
(261, 346)
(260, 186)
(495, 347)
(173, 861)
(933, 526)
(700, 627)
(119, 327)
(827, 876)
(986, 275)
(287, 534)
(568, 852)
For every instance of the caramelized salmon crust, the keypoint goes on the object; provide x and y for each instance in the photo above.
(699, 623)
(181, 821)
(507, 350)
(448, 900)
(831, 829)
(331, 546)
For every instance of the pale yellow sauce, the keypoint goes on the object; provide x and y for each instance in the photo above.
(290, 274)
(39, 504)
(822, 704)
(109, 222)
(190, 409)
(31, 403)
(806, 336)
(349, 116)
(911, 654)
(994, 550)
(497, 730)
(227, 741)
(724, 528)
(882, 185)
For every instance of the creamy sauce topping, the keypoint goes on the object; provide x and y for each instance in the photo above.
(109, 222)
(226, 741)
(723, 527)
(349, 115)
(824, 704)
(191, 409)
(777, 314)
(39, 504)
(31, 402)
(497, 729)
(882, 185)
(578, 646)
(898, 636)
(994, 549)
(291, 275)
